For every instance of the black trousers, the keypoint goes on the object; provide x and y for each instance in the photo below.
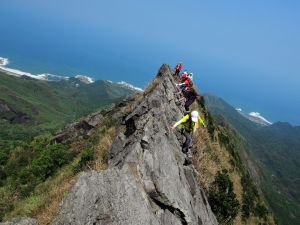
(188, 104)
(188, 140)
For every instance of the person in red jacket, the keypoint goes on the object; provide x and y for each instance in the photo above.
(178, 68)
(185, 82)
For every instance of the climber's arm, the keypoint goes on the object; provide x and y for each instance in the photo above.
(183, 120)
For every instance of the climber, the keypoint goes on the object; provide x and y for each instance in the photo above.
(190, 75)
(183, 76)
(190, 95)
(190, 122)
(185, 82)
(178, 69)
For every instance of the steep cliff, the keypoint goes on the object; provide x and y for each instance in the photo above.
(147, 180)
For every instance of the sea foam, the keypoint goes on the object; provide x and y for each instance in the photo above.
(4, 61)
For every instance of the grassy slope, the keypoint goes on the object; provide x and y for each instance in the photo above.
(213, 154)
(275, 150)
(42, 199)
(35, 175)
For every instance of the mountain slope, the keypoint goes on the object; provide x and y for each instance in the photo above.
(118, 164)
(276, 152)
(29, 106)
(146, 173)
(145, 180)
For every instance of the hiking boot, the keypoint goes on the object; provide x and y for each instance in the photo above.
(177, 102)
(185, 150)
(187, 162)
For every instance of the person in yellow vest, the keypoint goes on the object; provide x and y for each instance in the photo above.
(189, 123)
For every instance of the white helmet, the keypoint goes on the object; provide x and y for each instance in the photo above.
(194, 116)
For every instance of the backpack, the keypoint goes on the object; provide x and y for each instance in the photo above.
(191, 124)
(191, 83)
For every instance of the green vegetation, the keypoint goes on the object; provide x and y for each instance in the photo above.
(252, 208)
(86, 157)
(34, 174)
(27, 166)
(30, 107)
(251, 200)
(37, 174)
(252, 204)
(211, 127)
(274, 153)
(222, 199)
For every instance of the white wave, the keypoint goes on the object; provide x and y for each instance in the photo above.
(15, 72)
(85, 79)
(257, 115)
(43, 76)
(4, 61)
(130, 86)
(239, 109)
(51, 77)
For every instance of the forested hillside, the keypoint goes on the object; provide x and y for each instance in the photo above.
(29, 106)
(273, 153)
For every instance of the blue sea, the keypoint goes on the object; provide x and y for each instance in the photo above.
(33, 44)
(108, 66)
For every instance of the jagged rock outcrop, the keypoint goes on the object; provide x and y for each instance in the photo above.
(83, 128)
(147, 181)
(80, 129)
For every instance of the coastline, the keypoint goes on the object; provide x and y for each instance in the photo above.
(20, 73)
(52, 77)
(13, 72)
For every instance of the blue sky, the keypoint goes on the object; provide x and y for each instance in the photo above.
(244, 51)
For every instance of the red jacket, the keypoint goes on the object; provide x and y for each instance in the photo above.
(187, 82)
(178, 66)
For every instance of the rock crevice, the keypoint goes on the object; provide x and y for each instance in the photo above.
(146, 181)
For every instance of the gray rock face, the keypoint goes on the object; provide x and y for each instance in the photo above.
(79, 129)
(147, 181)
(21, 221)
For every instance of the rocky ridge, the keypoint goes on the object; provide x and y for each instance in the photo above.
(147, 181)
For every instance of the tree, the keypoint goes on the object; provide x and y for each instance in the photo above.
(222, 198)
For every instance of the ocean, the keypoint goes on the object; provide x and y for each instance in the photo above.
(51, 47)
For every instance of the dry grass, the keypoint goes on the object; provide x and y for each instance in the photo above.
(209, 158)
(101, 149)
(44, 203)
(152, 85)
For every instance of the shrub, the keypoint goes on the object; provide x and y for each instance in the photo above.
(210, 125)
(46, 162)
(261, 211)
(250, 196)
(52, 158)
(222, 198)
(86, 157)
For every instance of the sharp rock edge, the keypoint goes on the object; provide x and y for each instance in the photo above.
(147, 181)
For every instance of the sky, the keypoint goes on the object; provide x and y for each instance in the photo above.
(246, 52)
